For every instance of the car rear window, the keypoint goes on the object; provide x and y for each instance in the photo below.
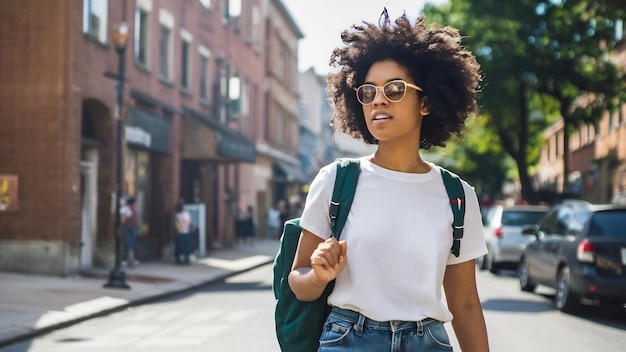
(521, 218)
(608, 223)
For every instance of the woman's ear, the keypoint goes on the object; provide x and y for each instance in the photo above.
(425, 109)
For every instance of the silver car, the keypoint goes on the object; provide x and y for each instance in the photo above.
(503, 233)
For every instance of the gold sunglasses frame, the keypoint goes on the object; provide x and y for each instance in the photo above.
(382, 89)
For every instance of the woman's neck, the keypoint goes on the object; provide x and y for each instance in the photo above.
(403, 160)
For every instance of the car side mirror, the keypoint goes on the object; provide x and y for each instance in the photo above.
(532, 230)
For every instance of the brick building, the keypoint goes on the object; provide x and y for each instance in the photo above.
(194, 106)
(278, 168)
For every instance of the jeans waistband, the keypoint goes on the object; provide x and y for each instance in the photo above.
(362, 321)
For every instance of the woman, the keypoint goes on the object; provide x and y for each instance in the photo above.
(182, 219)
(403, 87)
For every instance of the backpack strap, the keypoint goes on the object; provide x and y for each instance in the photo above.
(457, 203)
(343, 193)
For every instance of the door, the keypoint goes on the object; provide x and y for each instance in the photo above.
(89, 205)
(549, 254)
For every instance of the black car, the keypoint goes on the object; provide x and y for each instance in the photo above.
(580, 251)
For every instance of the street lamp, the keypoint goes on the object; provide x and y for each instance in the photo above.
(117, 276)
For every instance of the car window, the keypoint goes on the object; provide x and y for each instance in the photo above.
(549, 223)
(579, 219)
(563, 220)
(521, 218)
(608, 223)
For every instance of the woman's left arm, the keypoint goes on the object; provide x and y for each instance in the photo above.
(462, 296)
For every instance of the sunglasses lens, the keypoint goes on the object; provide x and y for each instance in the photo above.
(394, 91)
(366, 93)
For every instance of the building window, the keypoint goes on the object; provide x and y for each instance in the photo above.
(234, 95)
(257, 33)
(225, 16)
(234, 12)
(281, 59)
(95, 19)
(206, 3)
(166, 44)
(142, 27)
(614, 117)
(222, 94)
(204, 74)
(164, 40)
(557, 144)
(244, 106)
(185, 60)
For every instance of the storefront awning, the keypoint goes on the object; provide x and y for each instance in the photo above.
(147, 131)
(292, 173)
(204, 138)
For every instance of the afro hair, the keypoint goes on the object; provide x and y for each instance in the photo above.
(435, 60)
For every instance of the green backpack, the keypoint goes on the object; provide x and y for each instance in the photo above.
(299, 324)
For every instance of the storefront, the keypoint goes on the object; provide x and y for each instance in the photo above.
(211, 171)
(147, 138)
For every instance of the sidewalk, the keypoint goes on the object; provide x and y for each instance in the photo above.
(31, 305)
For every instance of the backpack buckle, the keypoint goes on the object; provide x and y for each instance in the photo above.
(457, 232)
(333, 210)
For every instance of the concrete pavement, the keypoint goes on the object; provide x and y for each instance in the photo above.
(31, 304)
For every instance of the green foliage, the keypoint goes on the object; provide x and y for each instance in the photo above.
(541, 60)
(478, 158)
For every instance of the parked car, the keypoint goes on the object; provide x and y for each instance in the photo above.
(503, 234)
(580, 251)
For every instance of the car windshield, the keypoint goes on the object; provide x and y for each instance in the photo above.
(608, 223)
(521, 218)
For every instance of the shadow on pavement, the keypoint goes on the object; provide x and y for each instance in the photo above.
(515, 305)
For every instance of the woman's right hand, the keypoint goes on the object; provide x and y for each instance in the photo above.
(329, 259)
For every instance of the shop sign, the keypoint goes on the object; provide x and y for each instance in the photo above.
(148, 131)
(138, 136)
(8, 193)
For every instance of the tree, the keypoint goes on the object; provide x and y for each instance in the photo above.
(572, 41)
(539, 58)
(478, 158)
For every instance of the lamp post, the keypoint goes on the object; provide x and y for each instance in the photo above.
(117, 276)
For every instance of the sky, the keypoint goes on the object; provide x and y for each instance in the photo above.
(322, 21)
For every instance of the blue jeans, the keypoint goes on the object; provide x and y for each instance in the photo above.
(182, 247)
(346, 330)
(130, 236)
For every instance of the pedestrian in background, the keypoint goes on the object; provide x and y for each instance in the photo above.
(285, 212)
(182, 245)
(249, 225)
(240, 226)
(272, 222)
(130, 227)
(403, 86)
(297, 209)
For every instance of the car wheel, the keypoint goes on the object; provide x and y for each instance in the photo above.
(524, 277)
(565, 300)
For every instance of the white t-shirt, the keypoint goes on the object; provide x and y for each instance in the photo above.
(399, 235)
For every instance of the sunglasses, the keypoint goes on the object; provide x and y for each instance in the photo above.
(394, 91)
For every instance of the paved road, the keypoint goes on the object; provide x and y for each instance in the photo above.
(522, 321)
(237, 315)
